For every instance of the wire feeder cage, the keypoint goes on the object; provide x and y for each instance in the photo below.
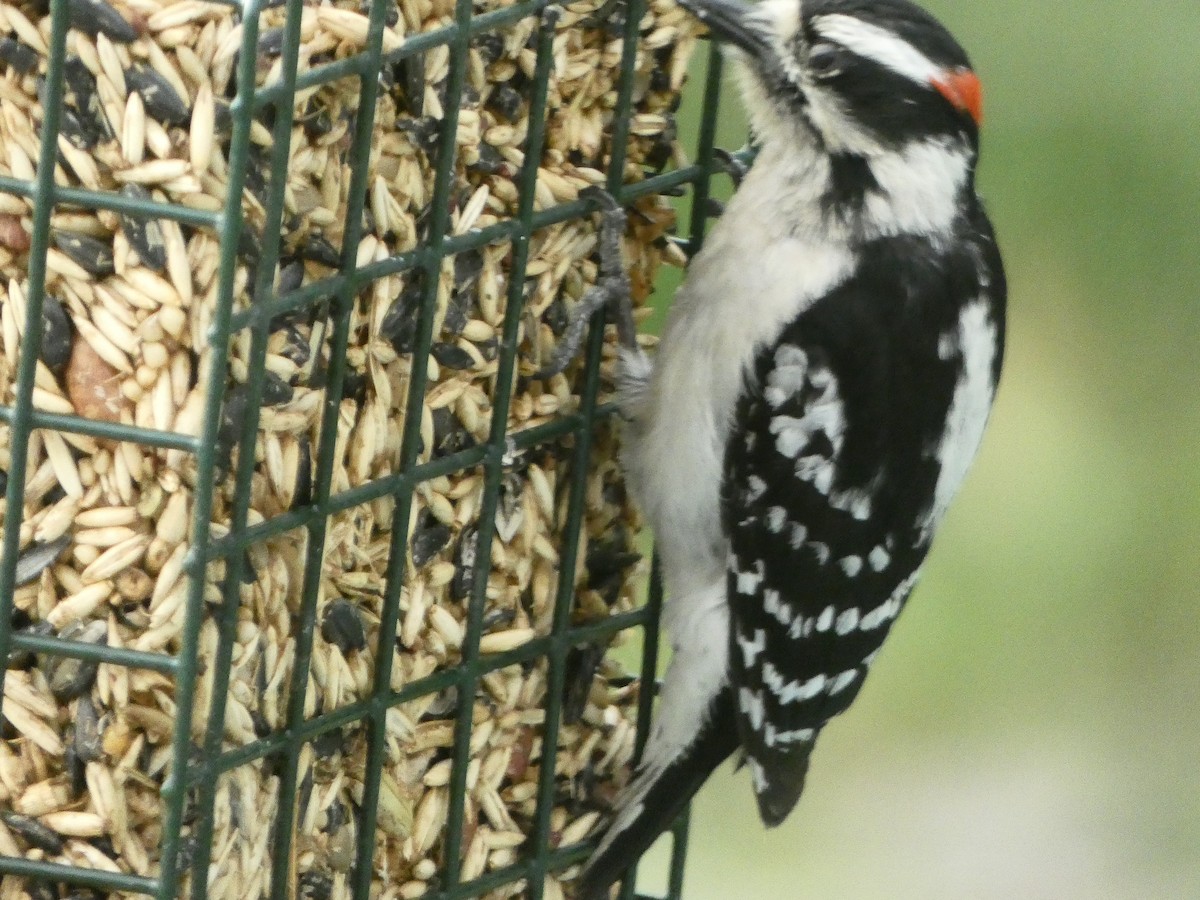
(239, 244)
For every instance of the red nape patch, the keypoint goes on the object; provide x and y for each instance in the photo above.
(962, 88)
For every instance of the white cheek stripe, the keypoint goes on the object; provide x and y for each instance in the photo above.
(872, 42)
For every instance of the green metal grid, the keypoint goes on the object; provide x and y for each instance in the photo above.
(197, 773)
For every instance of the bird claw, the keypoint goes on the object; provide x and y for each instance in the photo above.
(732, 164)
(612, 288)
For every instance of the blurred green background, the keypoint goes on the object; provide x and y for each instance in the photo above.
(1032, 728)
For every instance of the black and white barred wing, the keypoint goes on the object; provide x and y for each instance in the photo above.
(814, 579)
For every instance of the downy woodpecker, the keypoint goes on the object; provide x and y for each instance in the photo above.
(821, 387)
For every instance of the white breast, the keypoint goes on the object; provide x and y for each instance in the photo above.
(753, 277)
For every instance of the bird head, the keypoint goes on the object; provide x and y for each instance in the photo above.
(857, 77)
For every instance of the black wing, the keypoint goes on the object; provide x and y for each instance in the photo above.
(828, 476)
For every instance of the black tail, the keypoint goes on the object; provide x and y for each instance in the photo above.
(662, 801)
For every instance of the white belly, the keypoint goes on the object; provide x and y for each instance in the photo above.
(741, 290)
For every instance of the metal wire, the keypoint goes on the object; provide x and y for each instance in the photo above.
(191, 790)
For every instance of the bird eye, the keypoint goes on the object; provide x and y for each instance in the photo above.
(824, 61)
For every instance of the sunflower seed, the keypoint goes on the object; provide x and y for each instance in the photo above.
(57, 334)
(34, 832)
(37, 558)
(342, 626)
(162, 101)
(145, 236)
(69, 678)
(429, 539)
(95, 17)
(18, 56)
(93, 255)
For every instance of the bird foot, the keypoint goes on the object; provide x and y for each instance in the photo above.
(611, 290)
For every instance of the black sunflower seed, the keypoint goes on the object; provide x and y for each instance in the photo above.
(412, 83)
(97, 17)
(250, 245)
(581, 665)
(145, 236)
(17, 56)
(230, 429)
(330, 743)
(507, 101)
(497, 618)
(429, 538)
(490, 161)
(342, 626)
(38, 557)
(449, 433)
(162, 101)
(291, 277)
(34, 832)
(452, 356)
(399, 323)
(276, 391)
(70, 678)
(456, 317)
(296, 349)
(57, 334)
(317, 248)
(75, 767)
(270, 42)
(465, 555)
(316, 885)
(468, 266)
(25, 659)
(88, 737)
(490, 45)
(93, 255)
(91, 120)
(73, 129)
(79, 78)
(557, 317)
(303, 494)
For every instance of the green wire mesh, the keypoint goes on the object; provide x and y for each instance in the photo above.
(190, 795)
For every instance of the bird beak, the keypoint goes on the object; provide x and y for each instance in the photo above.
(731, 21)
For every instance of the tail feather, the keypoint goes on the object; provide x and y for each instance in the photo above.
(656, 798)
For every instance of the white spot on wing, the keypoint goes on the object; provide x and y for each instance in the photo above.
(787, 378)
(851, 565)
(799, 736)
(790, 435)
(799, 536)
(748, 582)
(776, 519)
(816, 470)
(752, 706)
(855, 501)
(755, 488)
(773, 606)
(947, 345)
(842, 681)
(792, 691)
(825, 620)
(847, 621)
(758, 775)
(889, 608)
(879, 559)
(752, 648)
